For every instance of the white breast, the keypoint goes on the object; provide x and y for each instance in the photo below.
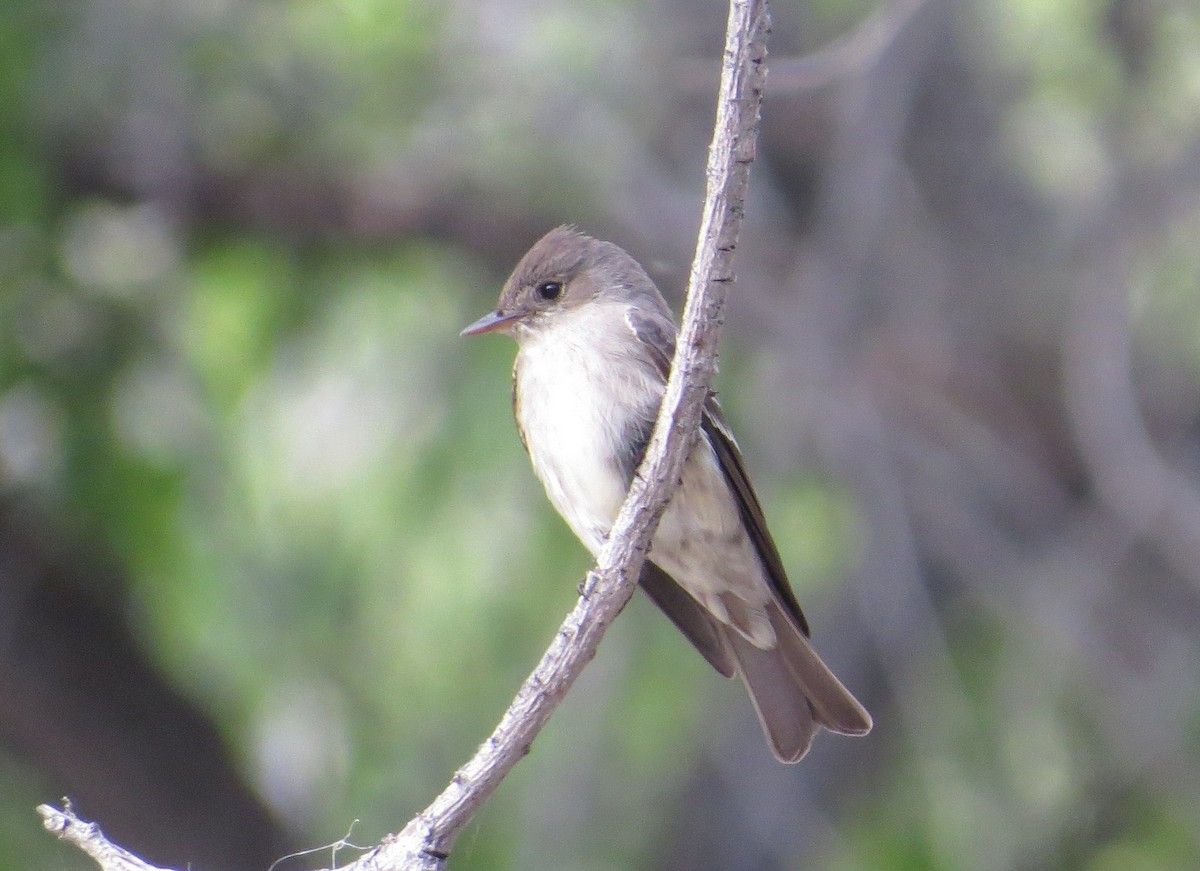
(574, 419)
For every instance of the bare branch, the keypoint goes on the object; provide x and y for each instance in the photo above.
(847, 56)
(89, 838)
(425, 843)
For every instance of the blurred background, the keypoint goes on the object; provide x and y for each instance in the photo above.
(272, 560)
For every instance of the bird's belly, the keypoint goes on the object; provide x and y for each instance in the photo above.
(586, 489)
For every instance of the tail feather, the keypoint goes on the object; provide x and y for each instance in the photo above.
(784, 712)
(834, 707)
(794, 691)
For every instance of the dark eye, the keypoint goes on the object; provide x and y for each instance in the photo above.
(549, 289)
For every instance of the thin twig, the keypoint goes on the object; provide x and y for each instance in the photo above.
(425, 843)
(89, 838)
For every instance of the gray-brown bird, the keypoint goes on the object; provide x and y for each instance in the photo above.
(596, 341)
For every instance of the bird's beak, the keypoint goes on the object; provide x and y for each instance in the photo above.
(491, 322)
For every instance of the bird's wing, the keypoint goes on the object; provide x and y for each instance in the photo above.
(688, 615)
(657, 334)
(516, 405)
(733, 467)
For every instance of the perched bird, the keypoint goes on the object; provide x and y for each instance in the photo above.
(595, 342)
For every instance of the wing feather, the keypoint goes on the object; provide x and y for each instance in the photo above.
(689, 616)
(657, 333)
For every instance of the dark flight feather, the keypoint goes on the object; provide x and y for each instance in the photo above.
(689, 616)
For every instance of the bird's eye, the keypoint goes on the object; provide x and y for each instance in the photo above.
(549, 290)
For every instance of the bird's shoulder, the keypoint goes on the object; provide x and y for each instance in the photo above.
(656, 332)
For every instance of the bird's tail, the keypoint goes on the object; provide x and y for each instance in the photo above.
(793, 690)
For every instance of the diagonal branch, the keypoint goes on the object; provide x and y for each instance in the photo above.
(425, 843)
(88, 837)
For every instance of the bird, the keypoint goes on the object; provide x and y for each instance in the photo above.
(595, 340)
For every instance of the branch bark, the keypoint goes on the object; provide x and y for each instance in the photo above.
(88, 837)
(425, 842)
